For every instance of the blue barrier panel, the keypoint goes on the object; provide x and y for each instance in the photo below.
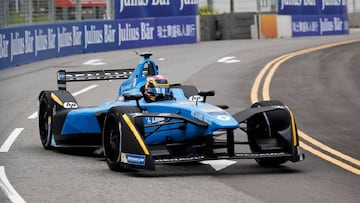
(69, 38)
(125, 9)
(99, 36)
(316, 17)
(135, 33)
(312, 7)
(20, 45)
(16, 44)
(314, 25)
(176, 30)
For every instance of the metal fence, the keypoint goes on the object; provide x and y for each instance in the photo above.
(227, 6)
(19, 12)
(353, 6)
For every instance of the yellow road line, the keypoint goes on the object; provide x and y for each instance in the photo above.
(273, 66)
(328, 149)
(267, 82)
(255, 88)
(330, 159)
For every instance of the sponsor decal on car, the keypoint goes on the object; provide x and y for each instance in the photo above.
(134, 159)
(213, 110)
(154, 119)
(201, 117)
(196, 98)
(70, 105)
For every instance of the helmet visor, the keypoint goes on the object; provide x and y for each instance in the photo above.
(160, 90)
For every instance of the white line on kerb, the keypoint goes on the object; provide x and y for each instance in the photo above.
(9, 141)
(35, 114)
(8, 188)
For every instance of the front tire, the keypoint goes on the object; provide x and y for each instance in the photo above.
(112, 135)
(262, 130)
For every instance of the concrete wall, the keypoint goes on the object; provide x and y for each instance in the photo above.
(235, 26)
(226, 26)
(354, 20)
(284, 26)
(208, 28)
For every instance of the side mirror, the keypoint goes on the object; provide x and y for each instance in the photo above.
(223, 106)
(207, 93)
(136, 97)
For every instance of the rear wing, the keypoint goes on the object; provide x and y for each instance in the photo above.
(78, 76)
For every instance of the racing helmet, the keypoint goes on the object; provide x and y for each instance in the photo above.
(157, 88)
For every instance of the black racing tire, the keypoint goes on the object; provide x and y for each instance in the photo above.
(279, 120)
(112, 133)
(45, 121)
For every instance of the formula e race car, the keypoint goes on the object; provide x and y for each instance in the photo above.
(154, 123)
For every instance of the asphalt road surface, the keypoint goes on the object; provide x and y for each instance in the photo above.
(321, 87)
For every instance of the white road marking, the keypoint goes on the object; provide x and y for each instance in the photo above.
(84, 90)
(219, 164)
(94, 62)
(10, 140)
(228, 59)
(161, 59)
(8, 188)
(35, 114)
(4, 182)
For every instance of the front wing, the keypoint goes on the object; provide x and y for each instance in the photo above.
(140, 155)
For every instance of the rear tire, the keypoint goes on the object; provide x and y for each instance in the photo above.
(45, 121)
(112, 135)
(263, 127)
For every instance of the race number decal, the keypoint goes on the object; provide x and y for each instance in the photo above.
(223, 117)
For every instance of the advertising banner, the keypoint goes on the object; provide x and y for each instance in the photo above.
(314, 25)
(27, 44)
(125, 9)
(145, 32)
(312, 7)
(316, 17)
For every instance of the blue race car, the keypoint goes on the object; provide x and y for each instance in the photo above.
(153, 122)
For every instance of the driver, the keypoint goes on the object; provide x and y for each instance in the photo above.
(157, 88)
